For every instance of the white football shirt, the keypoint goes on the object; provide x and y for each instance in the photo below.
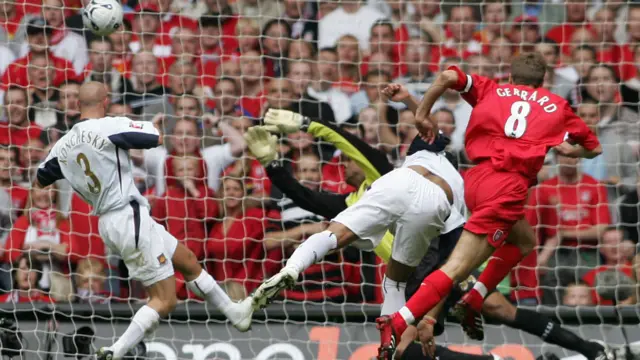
(94, 158)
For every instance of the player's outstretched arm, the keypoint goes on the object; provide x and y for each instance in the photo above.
(399, 93)
(429, 128)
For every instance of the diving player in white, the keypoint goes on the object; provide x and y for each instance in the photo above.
(417, 202)
(94, 158)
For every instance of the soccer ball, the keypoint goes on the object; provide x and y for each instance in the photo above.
(102, 16)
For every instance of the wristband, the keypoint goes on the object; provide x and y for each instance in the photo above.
(429, 320)
(304, 124)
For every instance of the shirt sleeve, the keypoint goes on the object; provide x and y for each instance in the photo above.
(49, 171)
(578, 131)
(472, 88)
(128, 134)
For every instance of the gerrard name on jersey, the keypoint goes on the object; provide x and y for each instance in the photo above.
(524, 95)
(87, 137)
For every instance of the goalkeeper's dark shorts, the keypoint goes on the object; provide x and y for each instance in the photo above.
(439, 251)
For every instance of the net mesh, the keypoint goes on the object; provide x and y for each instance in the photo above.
(209, 69)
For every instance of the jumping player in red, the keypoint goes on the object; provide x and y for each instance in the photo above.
(511, 129)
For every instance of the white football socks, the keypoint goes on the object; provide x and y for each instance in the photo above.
(145, 320)
(394, 296)
(311, 250)
(206, 287)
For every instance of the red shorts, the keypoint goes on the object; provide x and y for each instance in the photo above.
(496, 200)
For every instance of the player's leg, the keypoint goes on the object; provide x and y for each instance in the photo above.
(470, 252)
(162, 301)
(520, 242)
(205, 286)
(499, 308)
(394, 285)
(367, 220)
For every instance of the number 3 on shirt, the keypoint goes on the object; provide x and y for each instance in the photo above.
(96, 187)
(517, 121)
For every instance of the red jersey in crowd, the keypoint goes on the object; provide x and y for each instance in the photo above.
(84, 231)
(19, 197)
(514, 126)
(16, 73)
(11, 25)
(186, 217)
(561, 35)
(238, 254)
(561, 206)
(15, 297)
(18, 135)
(256, 180)
(590, 279)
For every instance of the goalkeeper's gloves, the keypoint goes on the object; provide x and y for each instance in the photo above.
(284, 121)
(262, 144)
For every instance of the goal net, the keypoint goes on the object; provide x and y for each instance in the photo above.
(208, 70)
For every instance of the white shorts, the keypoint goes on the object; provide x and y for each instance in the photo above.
(144, 245)
(411, 207)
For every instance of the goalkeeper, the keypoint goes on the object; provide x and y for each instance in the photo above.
(373, 164)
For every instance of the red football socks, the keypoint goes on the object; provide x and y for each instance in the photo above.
(500, 264)
(434, 287)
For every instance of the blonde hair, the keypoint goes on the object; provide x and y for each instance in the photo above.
(247, 23)
(90, 265)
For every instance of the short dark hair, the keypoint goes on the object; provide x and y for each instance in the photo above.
(586, 47)
(528, 69)
(446, 111)
(102, 39)
(373, 73)
(553, 43)
(603, 66)
(23, 90)
(382, 22)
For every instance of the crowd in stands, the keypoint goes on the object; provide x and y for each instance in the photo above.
(209, 69)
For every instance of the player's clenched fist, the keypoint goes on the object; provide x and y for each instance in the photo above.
(282, 121)
(396, 92)
(262, 144)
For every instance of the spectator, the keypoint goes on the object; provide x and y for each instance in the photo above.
(275, 44)
(371, 94)
(572, 214)
(26, 274)
(261, 11)
(182, 80)
(351, 18)
(62, 43)
(525, 33)
(550, 50)
(100, 67)
(576, 18)
(121, 110)
(32, 154)
(235, 250)
(583, 58)
(248, 34)
(143, 89)
(188, 206)
(321, 89)
(301, 76)
(147, 36)
(494, 18)
(213, 45)
(418, 77)
(38, 34)
(429, 20)
(41, 90)
(185, 141)
(226, 95)
(618, 126)
(617, 169)
(89, 278)
(10, 19)
(617, 254)
(17, 129)
(560, 86)
(406, 132)
(66, 112)
(122, 53)
(634, 82)
(349, 59)
(480, 65)
(40, 234)
(375, 128)
(170, 21)
(252, 82)
(628, 213)
(461, 25)
(14, 196)
(577, 294)
(382, 41)
(300, 50)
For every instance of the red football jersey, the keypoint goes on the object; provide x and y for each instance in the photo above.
(514, 126)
